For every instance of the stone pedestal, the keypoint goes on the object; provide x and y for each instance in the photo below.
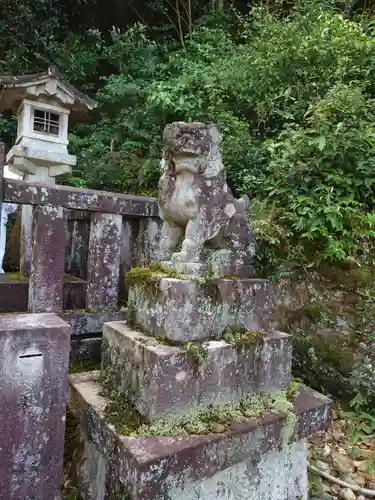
(194, 349)
(184, 310)
(34, 383)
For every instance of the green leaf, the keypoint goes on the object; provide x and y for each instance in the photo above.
(321, 142)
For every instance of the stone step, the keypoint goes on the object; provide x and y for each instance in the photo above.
(184, 310)
(252, 460)
(164, 381)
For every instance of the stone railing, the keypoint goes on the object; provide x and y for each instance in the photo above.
(83, 242)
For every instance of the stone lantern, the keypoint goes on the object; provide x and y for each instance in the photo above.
(44, 103)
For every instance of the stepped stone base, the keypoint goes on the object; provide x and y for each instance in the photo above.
(163, 382)
(250, 461)
(183, 310)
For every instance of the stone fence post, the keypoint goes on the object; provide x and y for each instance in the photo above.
(104, 258)
(47, 259)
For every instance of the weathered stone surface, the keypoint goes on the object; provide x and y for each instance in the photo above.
(27, 217)
(148, 240)
(163, 382)
(84, 350)
(85, 323)
(103, 268)
(34, 384)
(31, 193)
(78, 242)
(196, 204)
(185, 310)
(47, 260)
(26, 239)
(249, 461)
(329, 316)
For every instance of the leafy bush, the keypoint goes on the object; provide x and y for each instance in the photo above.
(321, 173)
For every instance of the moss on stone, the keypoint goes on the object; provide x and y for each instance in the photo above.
(120, 411)
(18, 276)
(150, 275)
(210, 289)
(84, 366)
(242, 338)
(127, 420)
(131, 315)
(324, 362)
(348, 277)
(198, 352)
(217, 419)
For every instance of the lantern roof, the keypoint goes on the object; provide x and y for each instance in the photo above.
(47, 87)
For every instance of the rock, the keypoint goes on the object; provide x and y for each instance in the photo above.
(362, 453)
(336, 489)
(318, 439)
(322, 466)
(348, 494)
(327, 450)
(362, 466)
(369, 441)
(359, 479)
(348, 478)
(342, 463)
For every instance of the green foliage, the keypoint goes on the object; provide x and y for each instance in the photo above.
(290, 86)
(322, 173)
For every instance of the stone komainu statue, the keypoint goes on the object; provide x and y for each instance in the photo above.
(196, 204)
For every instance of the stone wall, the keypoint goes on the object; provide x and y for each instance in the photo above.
(331, 315)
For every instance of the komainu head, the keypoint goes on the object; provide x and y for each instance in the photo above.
(194, 147)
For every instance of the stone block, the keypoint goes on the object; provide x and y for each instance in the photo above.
(85, 324)
(164, 381)
(34, 384)
(251, 460)
(184, 310)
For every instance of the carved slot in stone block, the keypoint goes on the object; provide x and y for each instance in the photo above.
(188, 310)
(34, 384)
(163, 382)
